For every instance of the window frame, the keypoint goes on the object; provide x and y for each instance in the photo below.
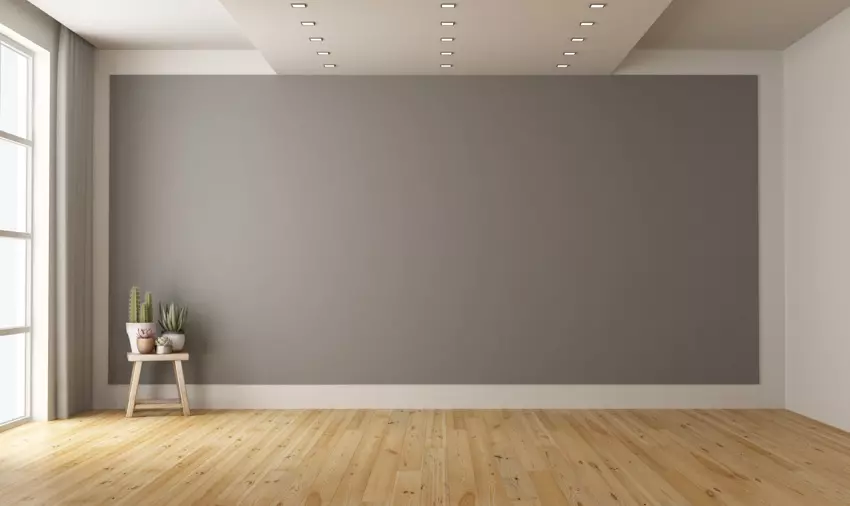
(26, 235)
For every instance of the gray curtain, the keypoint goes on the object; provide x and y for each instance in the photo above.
(74, 153)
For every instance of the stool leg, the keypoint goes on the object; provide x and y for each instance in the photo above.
(134, 388)
(181, 386)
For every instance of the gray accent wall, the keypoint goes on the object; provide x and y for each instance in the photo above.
(441, 230)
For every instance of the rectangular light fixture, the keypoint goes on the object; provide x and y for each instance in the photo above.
(446, 53)
(323, 53)
(570, 53)
(448, 6)
(597, 6)
(587, 23)
(316, 39)
(447, 23)
(577, 39)
(446, 65)
(299, 6)
(330, 65)
(308, 23)
(447, 39)
(563, 65)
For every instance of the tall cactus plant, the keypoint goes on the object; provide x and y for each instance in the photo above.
(140, 312)
(134, 305)
(146, 310)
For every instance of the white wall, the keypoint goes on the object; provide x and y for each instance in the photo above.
(817, 151)
(770, 392)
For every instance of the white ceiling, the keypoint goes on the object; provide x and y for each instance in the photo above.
(403, 36)
(738, 24)
(149, 24)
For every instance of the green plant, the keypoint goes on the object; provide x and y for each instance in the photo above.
(146, 309)
(140, 312)
(172, 317)
(134, 305)
(163, 341)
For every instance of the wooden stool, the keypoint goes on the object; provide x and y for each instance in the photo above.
(138, 359)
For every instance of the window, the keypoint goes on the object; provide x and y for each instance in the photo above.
(15, 229)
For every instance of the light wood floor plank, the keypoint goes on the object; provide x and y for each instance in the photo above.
(425, 458)
(286, 482)
(408, 488)
(460, 473)
(324, 488)
(237, 472)
(353, 485)
(383, 474)
(488, 482)
(435, 489)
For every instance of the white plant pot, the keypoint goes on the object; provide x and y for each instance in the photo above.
(132, 333)
(178, 341)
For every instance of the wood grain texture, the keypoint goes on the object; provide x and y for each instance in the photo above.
(458, 458)
(134, 403)
(153, 357)
(134, 388)
(181, 387)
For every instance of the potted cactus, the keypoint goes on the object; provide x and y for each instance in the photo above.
(145, 340)
(163, 345)
(172, 318)
(140, 317)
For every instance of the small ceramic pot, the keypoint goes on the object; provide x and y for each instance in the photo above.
(163, 350)
(133, 332)
(178, 341)
(145, 344)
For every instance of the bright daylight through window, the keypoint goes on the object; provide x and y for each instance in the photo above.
(15, 228)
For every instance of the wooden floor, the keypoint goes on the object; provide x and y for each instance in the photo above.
(518, 458)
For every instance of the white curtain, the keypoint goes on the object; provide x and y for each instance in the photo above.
(74, 152)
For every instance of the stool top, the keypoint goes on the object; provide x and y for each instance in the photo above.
(152, 357)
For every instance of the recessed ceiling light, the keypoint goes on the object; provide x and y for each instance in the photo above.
(308, 23)
(316, 39)
(446, 53)
(330, 65)
(299, 6)
(587, 23)
(577, 39)
(597, 6)
(446, 65)
(570, 53)
(447, 23)
(447, 39)
(323, 53)
(563, 65)
(448, 6)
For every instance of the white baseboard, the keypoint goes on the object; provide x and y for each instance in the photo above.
(454, 396)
